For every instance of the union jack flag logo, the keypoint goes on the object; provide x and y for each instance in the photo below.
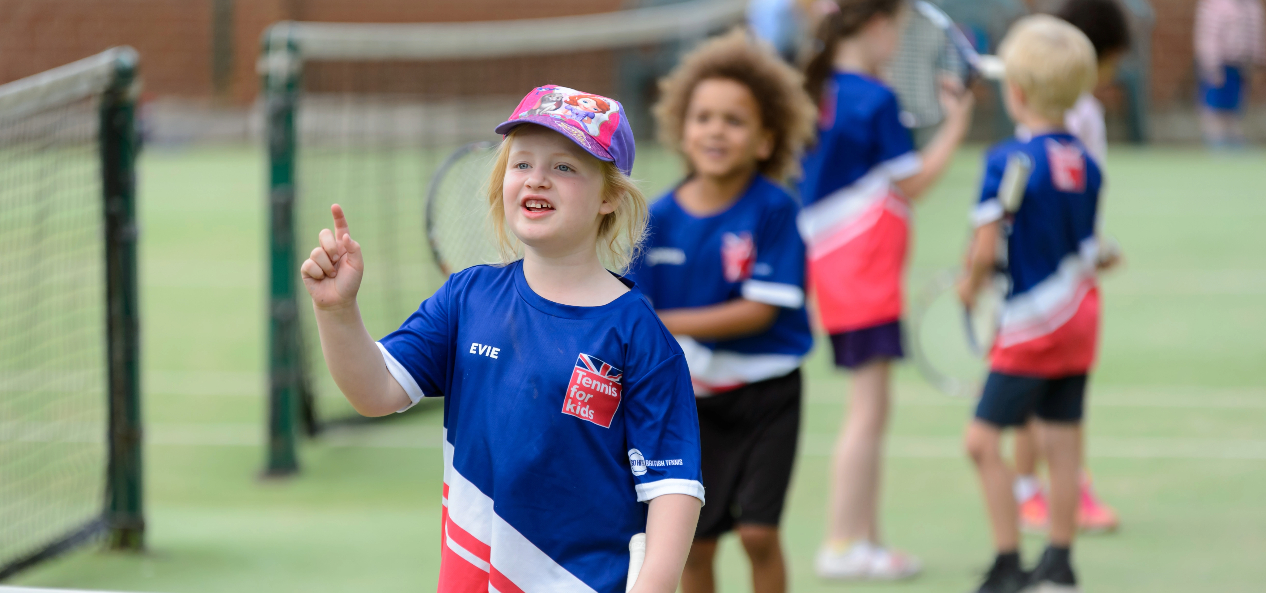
(594, 392)
(602, 369)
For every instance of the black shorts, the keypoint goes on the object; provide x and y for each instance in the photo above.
(1009, 400)
(748, 442)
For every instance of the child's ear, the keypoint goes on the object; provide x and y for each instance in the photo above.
(766, 148)
(1013, 97)
(609, 204)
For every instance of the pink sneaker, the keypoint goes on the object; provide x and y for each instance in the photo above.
(1034, 514)
(1093, 516)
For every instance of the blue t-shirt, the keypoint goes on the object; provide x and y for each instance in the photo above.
(859, 135)
(560, 422)
(1056, 219)
(751, 250)
(1049, 323)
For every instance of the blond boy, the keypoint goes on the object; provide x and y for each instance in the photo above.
(1046, 342)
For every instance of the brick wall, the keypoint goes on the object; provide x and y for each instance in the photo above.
(174, 37)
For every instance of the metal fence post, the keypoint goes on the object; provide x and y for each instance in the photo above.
(280, 68)
(119, 146)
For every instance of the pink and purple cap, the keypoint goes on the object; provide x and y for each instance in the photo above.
(597, 124)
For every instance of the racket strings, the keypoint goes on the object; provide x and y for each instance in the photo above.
(458, 224)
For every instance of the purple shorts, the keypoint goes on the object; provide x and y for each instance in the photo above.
(857, 347)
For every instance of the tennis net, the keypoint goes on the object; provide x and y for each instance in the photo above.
(363, 114)
(69, 421)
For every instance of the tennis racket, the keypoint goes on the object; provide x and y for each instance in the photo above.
(456, 222)
(932, 50)
(637, 555)
(1015, 178)
(942, 335)
(951, 342)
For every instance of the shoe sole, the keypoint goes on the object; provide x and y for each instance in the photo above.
(1050, 588)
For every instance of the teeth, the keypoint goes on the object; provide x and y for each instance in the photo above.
(537, 205)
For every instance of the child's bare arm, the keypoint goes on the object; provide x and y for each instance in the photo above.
(332, 275)
(938, 152)
(981, 257)
(732, 319)
(670, 528)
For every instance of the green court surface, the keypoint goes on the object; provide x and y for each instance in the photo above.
(1176, 414)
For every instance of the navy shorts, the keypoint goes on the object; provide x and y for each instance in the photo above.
(857, 347)
(1227, 97)
(1009, 400)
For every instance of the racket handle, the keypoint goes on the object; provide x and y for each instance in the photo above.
(972, 342)
(637, 555)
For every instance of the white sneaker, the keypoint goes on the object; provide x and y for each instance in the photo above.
(850, 563)
(891, 565)
(864, 561)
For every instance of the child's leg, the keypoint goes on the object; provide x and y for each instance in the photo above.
(855, 469)
(764, 550)
(1026, 451)
(1061, 444)
(697, 576)
(984, 446)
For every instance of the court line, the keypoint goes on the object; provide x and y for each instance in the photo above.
(251, 384)
(814, 444)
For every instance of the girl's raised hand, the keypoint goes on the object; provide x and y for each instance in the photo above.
(333, 270)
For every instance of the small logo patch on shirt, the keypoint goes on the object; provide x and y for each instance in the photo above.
(738, 256)
(594, 391)
(1068, 167)
(665, 255)
(637, 462)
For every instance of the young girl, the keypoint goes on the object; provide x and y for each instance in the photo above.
(859, 181)
(567, 404)
(724, 267)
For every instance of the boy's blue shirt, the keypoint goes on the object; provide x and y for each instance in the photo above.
(1058, 214)
(751, 250)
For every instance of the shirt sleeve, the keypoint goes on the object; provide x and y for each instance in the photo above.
(988, 207)
(662, 432)
(418, 353)
(894, 146)
(778, 276)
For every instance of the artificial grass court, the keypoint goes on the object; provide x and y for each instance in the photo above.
(1176, 412)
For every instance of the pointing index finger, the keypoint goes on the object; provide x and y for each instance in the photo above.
(340, 224)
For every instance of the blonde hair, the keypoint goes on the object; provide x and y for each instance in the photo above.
(620, 233)
(1051, 61)
(784, 108)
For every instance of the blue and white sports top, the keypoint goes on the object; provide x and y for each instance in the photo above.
(559, 423)
(1050, 317)
(751, 250)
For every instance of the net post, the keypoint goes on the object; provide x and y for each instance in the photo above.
(120, 143)
(280, 66)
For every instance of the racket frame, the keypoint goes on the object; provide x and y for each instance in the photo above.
(942, 282)
(433, 190)
(1015, 179)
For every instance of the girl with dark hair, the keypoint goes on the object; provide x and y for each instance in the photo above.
(859, 182)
